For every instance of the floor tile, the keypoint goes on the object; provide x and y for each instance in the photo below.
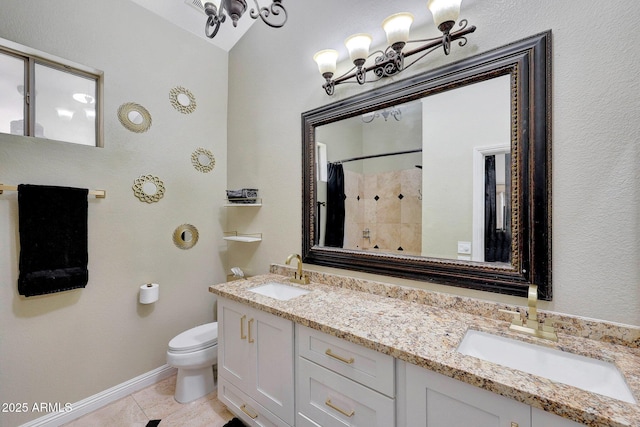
(157, 402)
(124, 412)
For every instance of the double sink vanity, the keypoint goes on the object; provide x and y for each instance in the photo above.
(341, 351)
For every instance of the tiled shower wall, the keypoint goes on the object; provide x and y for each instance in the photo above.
(389, 206)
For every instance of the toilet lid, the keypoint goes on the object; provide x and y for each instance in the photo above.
(195, 338)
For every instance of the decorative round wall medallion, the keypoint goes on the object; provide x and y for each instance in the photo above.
(203, 160)
(182, 100)
(148, 188)
(185, 236)
(134, 117)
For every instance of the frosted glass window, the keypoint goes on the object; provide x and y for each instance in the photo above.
(65, 105)
(47, 97)
(12, 94)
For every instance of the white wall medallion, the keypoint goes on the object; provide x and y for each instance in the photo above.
(203, 160)
(134, 117)
(148, 188)
(182, 100)
(185, 236)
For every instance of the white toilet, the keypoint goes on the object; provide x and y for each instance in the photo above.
(194, 352)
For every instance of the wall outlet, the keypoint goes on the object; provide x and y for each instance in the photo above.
(464, 247)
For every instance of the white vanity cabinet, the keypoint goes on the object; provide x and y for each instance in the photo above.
(339, 383)
(434, 400)
(255, 364)
(540, 418)
(429, 399)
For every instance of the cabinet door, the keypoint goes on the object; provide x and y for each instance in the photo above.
(234, 355)
(540, 418)
(271, 338)
(434, 400)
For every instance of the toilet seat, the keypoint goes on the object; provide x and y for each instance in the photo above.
(194, 339)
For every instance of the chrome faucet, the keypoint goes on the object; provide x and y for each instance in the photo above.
(531, 325)
(298, 277)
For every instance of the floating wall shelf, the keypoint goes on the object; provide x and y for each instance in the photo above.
(253, 201)
(234, 236)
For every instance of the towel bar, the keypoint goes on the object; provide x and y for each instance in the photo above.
(100, 194)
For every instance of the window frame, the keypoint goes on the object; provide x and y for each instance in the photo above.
(31, 57)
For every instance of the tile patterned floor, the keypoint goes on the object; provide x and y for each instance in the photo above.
(157, 402)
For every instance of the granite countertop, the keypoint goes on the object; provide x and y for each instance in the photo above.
(411, 325)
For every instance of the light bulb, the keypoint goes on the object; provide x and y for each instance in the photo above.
(326, 60)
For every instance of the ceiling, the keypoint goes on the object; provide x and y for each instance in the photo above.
(189, 15)
(354, 15)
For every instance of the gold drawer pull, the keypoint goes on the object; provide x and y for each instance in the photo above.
(514, 424)
(342, 411)
(242, 335)
(251, 340)
(244, 409)
(340, 358)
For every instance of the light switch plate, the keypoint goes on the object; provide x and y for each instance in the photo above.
(464, 248)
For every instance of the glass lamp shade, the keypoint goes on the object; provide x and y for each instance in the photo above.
(358, 46)
(444, 10)
(397, 27)
(326, 60)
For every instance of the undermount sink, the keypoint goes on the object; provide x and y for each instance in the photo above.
(579, 371)
(279, 291)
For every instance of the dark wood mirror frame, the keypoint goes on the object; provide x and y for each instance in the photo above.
(528, 62)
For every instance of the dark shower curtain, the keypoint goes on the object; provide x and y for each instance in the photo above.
(497, 243)
(334, 231)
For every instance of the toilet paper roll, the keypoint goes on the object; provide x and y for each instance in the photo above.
(149, 293)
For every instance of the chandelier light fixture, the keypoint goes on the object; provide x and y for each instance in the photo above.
(391, 61)
(235, 9)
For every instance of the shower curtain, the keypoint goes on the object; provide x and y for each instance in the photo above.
(497, 242)
(334, 231)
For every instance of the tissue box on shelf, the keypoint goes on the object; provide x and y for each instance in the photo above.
(244, 195)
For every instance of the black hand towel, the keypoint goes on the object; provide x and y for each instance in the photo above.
(53, 239)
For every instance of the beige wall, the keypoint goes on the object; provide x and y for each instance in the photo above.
(68, 346)
(596, 196)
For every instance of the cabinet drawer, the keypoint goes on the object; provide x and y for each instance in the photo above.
(366, 366)
(331, 400)
(248, 410)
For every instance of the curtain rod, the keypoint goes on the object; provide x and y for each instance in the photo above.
(418, 150)
(100, 194)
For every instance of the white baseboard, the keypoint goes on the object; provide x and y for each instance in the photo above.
(103, 398)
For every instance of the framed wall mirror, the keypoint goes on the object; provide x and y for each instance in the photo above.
(443, 177)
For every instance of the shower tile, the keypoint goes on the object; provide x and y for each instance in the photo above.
(411, 238)
(388, 210)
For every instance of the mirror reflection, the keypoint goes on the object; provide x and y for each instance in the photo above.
(409, 179)
(135, 117)
(185, 236)
(149, 188)
(183, 99)
(462, 175)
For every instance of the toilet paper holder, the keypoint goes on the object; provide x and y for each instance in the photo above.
(149, 293)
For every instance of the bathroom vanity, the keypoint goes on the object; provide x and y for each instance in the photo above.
(361, 353)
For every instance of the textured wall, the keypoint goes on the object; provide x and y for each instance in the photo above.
(65, 347)
(596, 191)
